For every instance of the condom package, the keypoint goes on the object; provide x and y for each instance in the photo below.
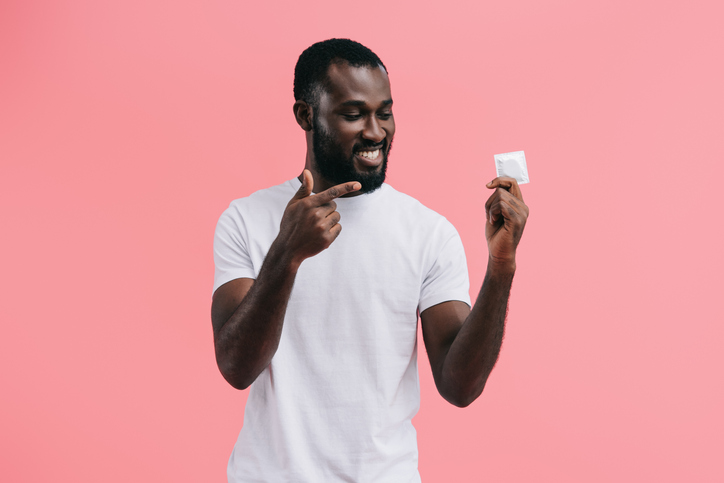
(512, 165)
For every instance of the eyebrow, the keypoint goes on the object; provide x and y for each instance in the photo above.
(386, 102)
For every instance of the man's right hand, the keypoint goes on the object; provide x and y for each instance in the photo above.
(310, 222)
(248, 315)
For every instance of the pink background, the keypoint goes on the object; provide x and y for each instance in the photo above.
(126, 128)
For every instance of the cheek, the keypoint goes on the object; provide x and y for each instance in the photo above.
(347, 139)
(390, 130)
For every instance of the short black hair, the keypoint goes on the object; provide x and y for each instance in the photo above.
(310, 73)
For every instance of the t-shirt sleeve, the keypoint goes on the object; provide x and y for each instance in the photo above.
(231, 256)
(447, 278)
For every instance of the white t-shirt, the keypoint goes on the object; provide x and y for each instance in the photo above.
(337, 400)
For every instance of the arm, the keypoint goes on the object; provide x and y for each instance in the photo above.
(463, 344)
(247, 315)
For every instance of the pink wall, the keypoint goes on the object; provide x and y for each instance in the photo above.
(126, 127)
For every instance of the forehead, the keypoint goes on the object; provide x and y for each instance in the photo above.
(346, 83)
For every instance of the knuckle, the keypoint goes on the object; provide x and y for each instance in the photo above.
(333, 192)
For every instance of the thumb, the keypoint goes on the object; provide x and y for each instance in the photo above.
(307, 185)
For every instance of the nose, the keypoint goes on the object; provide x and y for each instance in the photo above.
(373, 130)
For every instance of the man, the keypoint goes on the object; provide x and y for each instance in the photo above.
(322, 324)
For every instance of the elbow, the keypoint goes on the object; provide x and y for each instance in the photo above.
(461, 401)
(233, 375)
(235, 382)
(239, 367)
(460, 396)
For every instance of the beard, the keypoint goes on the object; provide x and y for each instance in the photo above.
(332, 164)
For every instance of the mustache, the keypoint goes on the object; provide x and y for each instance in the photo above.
(369, 146)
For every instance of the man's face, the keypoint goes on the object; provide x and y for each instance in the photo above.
(353, 126)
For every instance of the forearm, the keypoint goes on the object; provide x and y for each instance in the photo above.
(248, 340)
(474, 351)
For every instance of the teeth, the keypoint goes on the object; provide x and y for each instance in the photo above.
(370, 154)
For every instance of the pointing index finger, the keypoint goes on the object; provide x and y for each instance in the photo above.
(336, 191)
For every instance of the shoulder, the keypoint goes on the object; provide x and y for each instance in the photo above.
(261, 209)
(261, 204)
(264, 199)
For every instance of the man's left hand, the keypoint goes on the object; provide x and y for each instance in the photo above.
(506, 215)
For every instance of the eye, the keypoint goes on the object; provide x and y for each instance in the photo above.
(352, 117)
(385, 115)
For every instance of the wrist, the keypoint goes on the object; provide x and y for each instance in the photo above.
(282, 257)
(501, 266)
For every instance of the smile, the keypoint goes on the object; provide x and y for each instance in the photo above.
(371, 155)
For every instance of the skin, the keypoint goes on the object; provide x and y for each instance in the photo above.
(357, 112)
(463, 344)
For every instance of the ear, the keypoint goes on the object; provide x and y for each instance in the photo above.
(303, 114)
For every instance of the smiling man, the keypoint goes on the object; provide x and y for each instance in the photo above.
(323, 324)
